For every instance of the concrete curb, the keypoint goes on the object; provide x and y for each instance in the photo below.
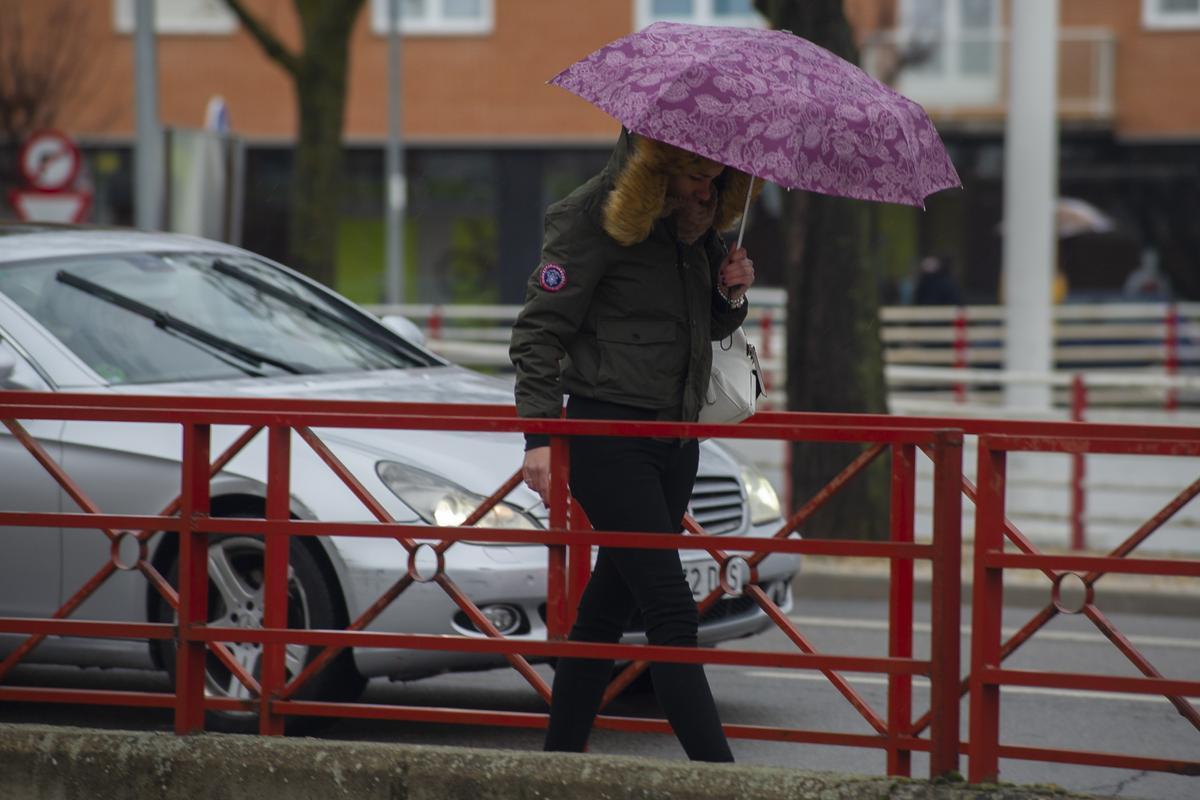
(50, 763)
(863, 579)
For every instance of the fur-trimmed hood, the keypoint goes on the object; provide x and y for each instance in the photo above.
(639, 171)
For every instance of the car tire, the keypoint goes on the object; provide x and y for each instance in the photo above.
(234, 599)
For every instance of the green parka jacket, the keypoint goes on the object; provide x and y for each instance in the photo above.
(624, 324)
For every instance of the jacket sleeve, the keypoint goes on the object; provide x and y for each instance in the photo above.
(557, 297)
(725, 319)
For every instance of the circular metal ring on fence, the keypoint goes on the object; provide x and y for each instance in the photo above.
(423, 558)
(736, 575)
(1079, 594)
(127, 550)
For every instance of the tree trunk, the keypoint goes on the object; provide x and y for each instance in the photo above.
(318, 73)
(316, 185)
(835, 358)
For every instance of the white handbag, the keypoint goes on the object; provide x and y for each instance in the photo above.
(736, 381)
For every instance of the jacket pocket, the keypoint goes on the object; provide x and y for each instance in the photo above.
(642, 361)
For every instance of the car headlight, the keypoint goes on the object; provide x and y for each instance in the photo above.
(444, 503)
(764, 503)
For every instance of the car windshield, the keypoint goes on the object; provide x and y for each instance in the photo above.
(162, 317)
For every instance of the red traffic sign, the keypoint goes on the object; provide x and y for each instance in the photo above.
(32, 206)
(49, 161)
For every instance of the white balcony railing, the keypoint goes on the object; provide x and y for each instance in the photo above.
(967, 76)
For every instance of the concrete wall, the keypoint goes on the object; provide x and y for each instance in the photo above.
(46, 763)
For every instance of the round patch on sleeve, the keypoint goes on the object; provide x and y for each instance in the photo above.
(552, 277)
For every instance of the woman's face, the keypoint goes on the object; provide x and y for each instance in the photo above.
(695, 185)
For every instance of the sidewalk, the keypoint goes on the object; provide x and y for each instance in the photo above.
(845, 578)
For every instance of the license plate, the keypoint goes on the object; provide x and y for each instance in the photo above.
(704, 577)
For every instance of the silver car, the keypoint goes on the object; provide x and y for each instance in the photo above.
(128, 313)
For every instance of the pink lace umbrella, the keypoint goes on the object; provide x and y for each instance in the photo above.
(771, 104)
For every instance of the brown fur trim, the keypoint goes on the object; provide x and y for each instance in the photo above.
(639, 192)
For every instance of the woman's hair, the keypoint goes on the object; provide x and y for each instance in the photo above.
(639, 192)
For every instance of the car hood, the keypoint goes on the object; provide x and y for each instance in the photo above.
(415, 385)
(479, 462)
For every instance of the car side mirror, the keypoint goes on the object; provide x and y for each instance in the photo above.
(403, 327)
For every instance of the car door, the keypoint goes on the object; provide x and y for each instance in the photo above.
(30, 556)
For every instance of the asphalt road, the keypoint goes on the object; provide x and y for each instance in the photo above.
(1128, 724)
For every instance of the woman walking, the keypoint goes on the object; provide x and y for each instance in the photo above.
(633, 286)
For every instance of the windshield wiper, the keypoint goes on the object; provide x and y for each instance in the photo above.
(395, 345)
(169, 322)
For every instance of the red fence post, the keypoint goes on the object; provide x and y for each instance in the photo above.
(764, 352)
(986, 606)
(900, 608)
(1171, 402)
(960, 351)
(557, 613)
(193, 580)
(434, 326)
(1078, 469)
(275, 578)
(945, 604)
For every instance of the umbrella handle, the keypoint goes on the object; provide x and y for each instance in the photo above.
(745, 213)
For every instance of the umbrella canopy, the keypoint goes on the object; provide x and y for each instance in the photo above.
(771, 104)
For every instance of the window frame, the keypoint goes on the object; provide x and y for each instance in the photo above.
(435, 23)
(702, 15)
(181, 23)
(1155, 18)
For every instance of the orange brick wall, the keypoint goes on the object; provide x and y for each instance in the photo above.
(492, 88)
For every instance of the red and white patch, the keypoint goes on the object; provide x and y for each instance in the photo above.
(552, 277)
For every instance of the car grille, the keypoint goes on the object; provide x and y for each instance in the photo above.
(717, 504)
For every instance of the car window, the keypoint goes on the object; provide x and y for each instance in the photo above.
(295, 327)
(21, 375)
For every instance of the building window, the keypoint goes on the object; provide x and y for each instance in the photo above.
(739, 13)
(448, 17)
(179, 16)
(1167, 14)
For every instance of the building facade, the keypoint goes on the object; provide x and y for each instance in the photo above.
(488, 144)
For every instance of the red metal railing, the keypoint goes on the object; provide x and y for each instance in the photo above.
(893, 729)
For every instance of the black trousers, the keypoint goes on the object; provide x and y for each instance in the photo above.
(627, 484)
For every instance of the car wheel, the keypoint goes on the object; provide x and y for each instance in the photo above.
(235, 599)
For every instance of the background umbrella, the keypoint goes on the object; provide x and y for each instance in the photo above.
(771, 104)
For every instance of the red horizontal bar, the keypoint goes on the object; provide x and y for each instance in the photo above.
(1131, 444)
(277, 406)
(89, 628)
(1092, 759)
(527, 647)
(519, 719)
(984, 426)
(1140, 566)
(96, 697)
(84, 521)
(650, 541)
(1098, 683)
(444, 422)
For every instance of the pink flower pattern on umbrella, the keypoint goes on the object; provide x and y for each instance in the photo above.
(771, 104)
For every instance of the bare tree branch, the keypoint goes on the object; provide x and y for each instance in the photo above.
(35, 81)
(269, 42)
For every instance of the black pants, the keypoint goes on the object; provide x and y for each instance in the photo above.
(627, 484)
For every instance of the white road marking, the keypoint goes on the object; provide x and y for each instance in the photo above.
(1053, 636)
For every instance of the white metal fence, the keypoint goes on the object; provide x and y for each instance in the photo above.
(1113, 362)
